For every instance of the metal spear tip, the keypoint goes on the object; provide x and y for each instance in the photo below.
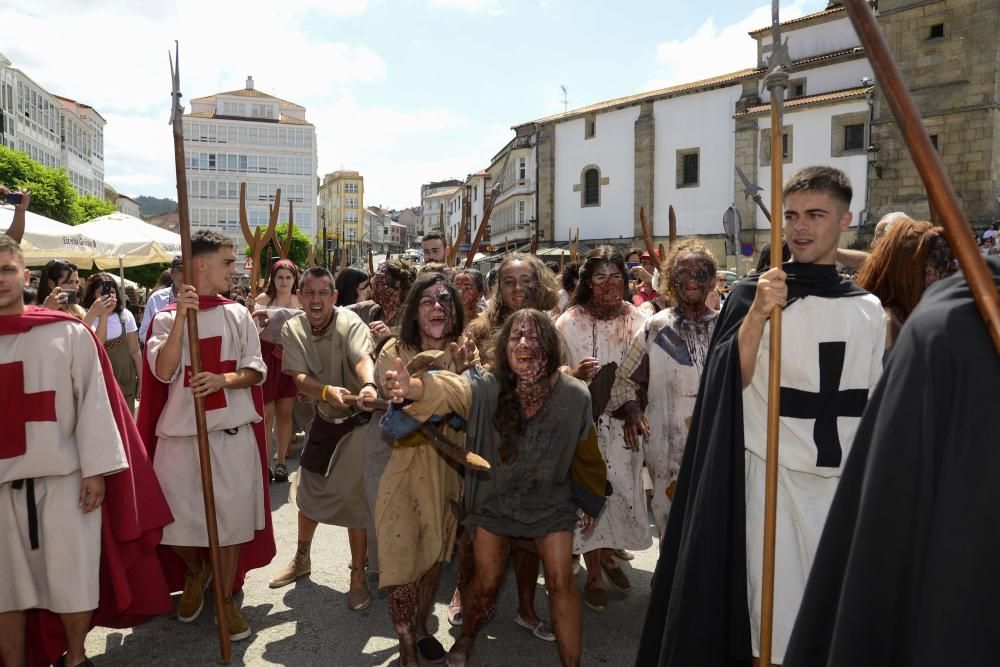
(749, 189)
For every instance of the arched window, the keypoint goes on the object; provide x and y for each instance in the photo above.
(592, 187)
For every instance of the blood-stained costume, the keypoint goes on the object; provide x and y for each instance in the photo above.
(661, 374)
(64, 419)
(623, 523)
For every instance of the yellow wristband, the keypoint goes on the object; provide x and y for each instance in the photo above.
(323, 394)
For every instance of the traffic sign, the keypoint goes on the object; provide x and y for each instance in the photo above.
(747, 250)
(248, 264)
(465, 247)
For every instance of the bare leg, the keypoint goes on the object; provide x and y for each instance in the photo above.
(481, 594)
(190, 557)
(283, 416)
(268, 429)
(427, 587)
(556, 550)
(307, 528)
(12, 639)
(229, 556)
(358, 538)
(526, 573)
(403, 603)
(595, 576)
(75, 626)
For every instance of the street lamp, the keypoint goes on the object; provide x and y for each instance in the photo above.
(326, 258)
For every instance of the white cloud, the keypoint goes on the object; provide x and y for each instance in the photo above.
(112, 54)
(711, 50)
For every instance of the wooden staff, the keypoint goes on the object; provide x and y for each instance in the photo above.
(474, 248)
(534, 244)
(285, 247)
(371, 263)
(453, 251)
(776, 82)
(257, 240)
(944, 203)
(672, 228)
(441, 220)
(194, 350)
(647, 234)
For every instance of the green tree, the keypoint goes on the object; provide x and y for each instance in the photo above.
(87, 208)
(298, 253)
(52, 194)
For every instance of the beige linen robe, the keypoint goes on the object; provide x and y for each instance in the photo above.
(81, 441)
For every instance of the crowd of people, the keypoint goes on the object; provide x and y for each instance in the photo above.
(601, 393)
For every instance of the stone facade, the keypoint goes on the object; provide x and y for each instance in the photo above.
(949, 55)
(645, 154)
(545, 150)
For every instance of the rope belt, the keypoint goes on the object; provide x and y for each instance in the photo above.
(32, 509)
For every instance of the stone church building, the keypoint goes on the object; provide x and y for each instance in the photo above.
(594, 167)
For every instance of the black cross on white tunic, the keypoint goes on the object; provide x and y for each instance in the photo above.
(827, 405)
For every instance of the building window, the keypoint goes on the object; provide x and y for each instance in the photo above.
(937, 31)
(934, 142)
(854, 137)
(787, 146)
(590, 126)
(848, 133)
(688, 167)
(591, 187)
(797, 88)
(521, 168)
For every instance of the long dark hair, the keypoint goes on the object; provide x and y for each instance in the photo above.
(508, 419)
(599, 255)
(347, 282)
(56, 270)
(94, 283)
(409, 333)
(272, 289)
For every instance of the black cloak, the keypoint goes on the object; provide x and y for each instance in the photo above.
(698, 610)
(906, 572)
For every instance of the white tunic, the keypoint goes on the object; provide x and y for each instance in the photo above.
(665, 363)
(52, 378)
(831, 359)
(229, 342)
(623, 524)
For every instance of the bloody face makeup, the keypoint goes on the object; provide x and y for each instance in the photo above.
(607, 284)
(527, 358)
(385, 292)
(518, 285)
(524, 350)
(692, 277)
(435, 313)
(466, 286)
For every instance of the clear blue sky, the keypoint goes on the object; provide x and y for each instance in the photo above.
(406, 91)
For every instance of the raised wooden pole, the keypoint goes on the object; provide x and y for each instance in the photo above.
(776, 82)
(943, 201)
(194, 351)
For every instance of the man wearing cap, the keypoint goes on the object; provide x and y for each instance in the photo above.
(162, 298)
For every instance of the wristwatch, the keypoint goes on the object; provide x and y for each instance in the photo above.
(370, 384)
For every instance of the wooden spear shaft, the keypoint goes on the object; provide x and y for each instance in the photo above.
(194, 350)
(942, 196)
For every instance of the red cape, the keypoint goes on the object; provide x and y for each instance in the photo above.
(133, 587)
(259, 551)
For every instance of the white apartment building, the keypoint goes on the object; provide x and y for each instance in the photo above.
(127, 205)
(513, 170)
(248, 136)
(53, 131)
(81, 131)
(432, 195)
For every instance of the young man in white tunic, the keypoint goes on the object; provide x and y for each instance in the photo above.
(657, 384)
(59, 440)
(831, 359)
(232, 363)
(598, 328)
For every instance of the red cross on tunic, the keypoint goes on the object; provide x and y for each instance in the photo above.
(211, 362)
(18, 408)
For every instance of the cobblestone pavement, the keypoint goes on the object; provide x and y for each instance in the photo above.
(308, 623)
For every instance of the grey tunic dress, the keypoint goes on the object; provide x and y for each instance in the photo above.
(532, 496)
